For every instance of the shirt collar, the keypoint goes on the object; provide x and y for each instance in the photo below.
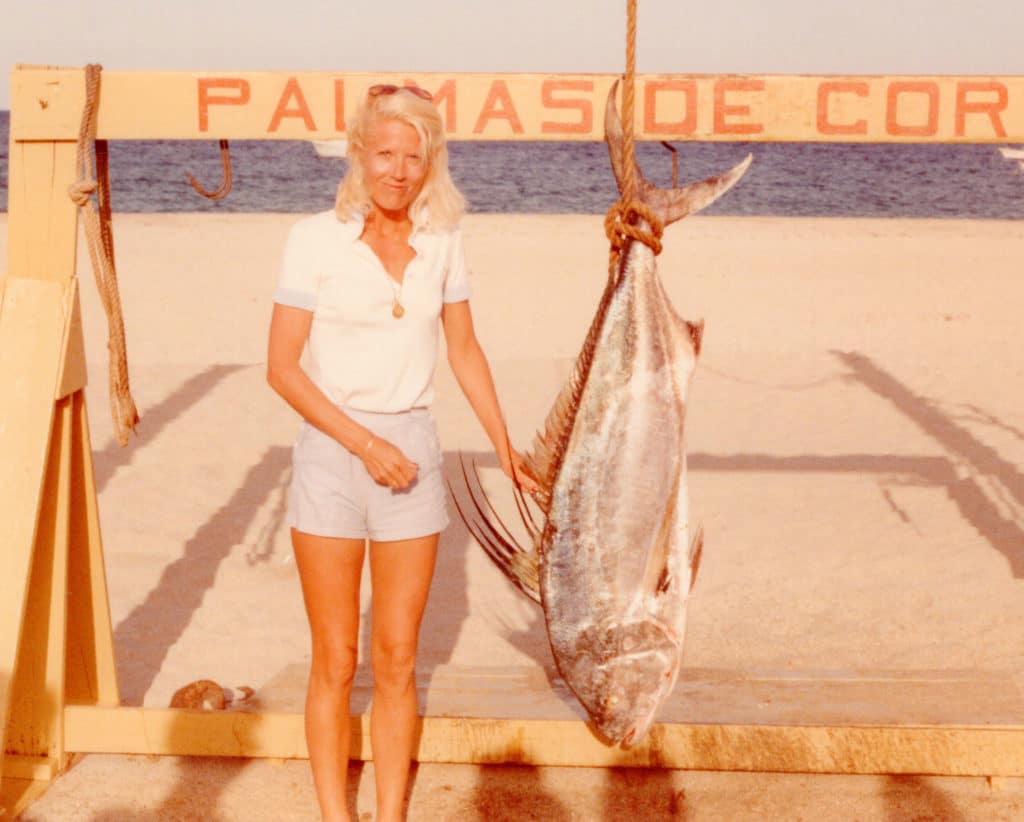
(353, 228)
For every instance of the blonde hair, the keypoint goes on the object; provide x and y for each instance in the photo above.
(439, 205)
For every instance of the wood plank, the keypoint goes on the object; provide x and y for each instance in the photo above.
(35, 726)
(42, 222)
(282, 105)
(91, 670)
(73, 374)
(18, 794)
(29, 767)
(192, 733)
(710, 695)
(949, 750)
(31, 328)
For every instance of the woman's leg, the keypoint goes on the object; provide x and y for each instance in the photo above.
(401, 572)
(330, 570)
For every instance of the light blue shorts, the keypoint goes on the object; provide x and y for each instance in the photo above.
(333, 495)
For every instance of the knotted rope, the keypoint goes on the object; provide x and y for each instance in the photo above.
(100, 239)
(620, 223)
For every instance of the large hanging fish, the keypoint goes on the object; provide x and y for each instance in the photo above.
(612, 564)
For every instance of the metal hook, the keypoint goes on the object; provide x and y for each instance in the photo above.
(675, 163)
(225, 187)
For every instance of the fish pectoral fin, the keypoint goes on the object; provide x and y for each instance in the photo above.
(696, 552)
(657, 577)
(518, 564)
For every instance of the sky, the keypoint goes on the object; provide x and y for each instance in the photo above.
(557, 36)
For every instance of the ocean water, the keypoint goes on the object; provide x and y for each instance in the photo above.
(786, 179)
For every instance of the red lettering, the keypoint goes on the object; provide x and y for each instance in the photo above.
(679, 128)
(722, 110)
(446, 94)
(992, 108)
(892, 124)
(825, 91)
(498, 105)
(292, 90)
(339, 105)
(583, 105)
(206, 99)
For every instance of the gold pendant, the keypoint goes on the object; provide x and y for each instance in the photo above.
(396, 310)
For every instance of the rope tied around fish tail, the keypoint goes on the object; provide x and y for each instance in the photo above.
(100, 238)
(621, 226)
(622, 222)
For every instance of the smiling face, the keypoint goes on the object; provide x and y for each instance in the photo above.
(394, 165)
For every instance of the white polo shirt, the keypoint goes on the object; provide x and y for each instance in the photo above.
(362, 356)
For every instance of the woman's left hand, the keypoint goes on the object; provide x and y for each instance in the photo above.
(515, 468)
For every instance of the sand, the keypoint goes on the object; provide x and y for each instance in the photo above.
(856, 440)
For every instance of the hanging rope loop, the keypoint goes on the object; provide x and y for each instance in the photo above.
(622, 222)
(621, 227)
(92, 153)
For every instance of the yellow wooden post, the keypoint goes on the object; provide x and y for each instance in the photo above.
(50, 553)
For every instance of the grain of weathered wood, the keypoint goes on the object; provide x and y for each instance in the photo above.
(31, 332)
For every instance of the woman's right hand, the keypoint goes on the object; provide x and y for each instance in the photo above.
(387, 464)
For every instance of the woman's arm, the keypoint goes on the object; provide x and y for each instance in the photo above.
(289, 330)
(469, 364)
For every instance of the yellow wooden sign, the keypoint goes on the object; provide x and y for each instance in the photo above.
(314, 105)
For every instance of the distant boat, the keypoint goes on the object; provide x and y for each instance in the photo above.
(337, 148)
(1012, 153)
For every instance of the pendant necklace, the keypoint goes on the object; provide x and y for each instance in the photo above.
(397, 309)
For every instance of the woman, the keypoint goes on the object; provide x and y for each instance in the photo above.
(364, 285)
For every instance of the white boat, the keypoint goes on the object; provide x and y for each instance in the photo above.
(331, 148)
(1012, 153)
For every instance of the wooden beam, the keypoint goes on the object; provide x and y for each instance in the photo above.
(91, 674)
(72, 364)
(949, 750)
(42, 222)
(31, 333)
(282, 105)
(17, 794)
(35, 725)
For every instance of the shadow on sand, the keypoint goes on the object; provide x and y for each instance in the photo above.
(970, 460)
(113, 457)
(144, 637)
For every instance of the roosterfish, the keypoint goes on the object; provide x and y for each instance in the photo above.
(612, 561)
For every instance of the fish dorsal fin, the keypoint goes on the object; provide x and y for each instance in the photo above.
(545, 458)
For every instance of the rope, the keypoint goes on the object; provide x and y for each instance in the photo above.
(629, 175)
(620, 223)
(100, 239)
(620, 226)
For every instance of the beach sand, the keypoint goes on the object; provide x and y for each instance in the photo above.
(856, 442)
